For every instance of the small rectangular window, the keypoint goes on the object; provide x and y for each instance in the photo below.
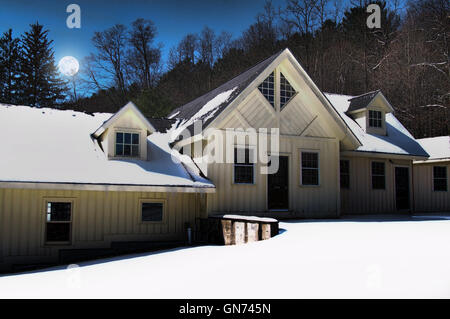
(375, 119)
(310, 168)
(127, 144)
(378, 175)
(59, 220)
(440, 178)
(243, 166)
(345, 173)
(152, 212)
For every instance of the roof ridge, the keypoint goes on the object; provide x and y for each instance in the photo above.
(367, 93)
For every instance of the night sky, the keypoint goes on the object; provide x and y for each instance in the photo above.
(172, 18)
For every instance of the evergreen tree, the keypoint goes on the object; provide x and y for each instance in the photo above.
(42, 86)
(9, 67)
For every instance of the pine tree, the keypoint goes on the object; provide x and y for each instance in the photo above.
(42, 86)
(9, 67)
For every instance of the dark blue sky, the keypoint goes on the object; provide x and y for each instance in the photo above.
(173, 19)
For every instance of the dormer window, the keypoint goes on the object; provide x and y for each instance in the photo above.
(286, 91)
(127, 144)
(267, 88)
(375, 119)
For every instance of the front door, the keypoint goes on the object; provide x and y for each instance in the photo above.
(277, 188)
(402, 188)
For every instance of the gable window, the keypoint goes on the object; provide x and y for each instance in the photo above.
(375, 119)
(58, 222)
(243, 166)
(378, 175)
(345, 173)
(440, 178)
(286, 91)
(127, 144)
(310, 168)
(267, 88)
(152, 212)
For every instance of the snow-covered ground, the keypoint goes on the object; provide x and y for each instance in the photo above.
(356, 259)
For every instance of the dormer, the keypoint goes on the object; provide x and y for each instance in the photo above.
(124, 135)
(369, 111)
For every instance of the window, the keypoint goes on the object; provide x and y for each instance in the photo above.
(375, 119)
(378, 175)
(286, 91)
(310, 168)
(127, 144)
(440, 178)
(152, 212)
(59, 220)
(267, 88)
(243, 166)
(345, 173)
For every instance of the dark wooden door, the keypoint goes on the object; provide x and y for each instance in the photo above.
(402, 188)
(277, 188)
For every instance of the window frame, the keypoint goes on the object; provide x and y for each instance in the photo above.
(340, 174)
(440, 178)
(70, 222)
(252, 149)
(375, 120)
(318, 168)
(156, 201)
(372, 175)
(279, 88)
(273, 74)
(136, 132)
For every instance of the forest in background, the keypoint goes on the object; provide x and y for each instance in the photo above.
(407, 58)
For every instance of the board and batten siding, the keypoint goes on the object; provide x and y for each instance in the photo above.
(304, 201)
(360, 198)
(98, 218)
(426, 199)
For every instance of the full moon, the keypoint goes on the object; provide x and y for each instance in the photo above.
(68, 65)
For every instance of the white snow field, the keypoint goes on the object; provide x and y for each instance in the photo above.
(320, 259)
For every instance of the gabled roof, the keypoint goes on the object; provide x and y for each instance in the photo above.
(438, 147)
(362, 101)
(129, 106)
(210, 106)
(56, 147)
(396, 141)
(235, 86)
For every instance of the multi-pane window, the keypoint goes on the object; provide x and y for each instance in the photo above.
(59, 220)
(267, 88)
(243, 166)
(375, 119)
(152, 212)
(440, 178)
(286, 91)
(310, 168)
(127, 144)
(345, 173)
(378, 175)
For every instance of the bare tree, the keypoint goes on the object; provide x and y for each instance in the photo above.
(110, 57)
(206, 45)
(143, 57)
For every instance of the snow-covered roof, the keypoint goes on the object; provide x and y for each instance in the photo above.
(438, 147)
(208, 106)
(396, 141)
(44, 145)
